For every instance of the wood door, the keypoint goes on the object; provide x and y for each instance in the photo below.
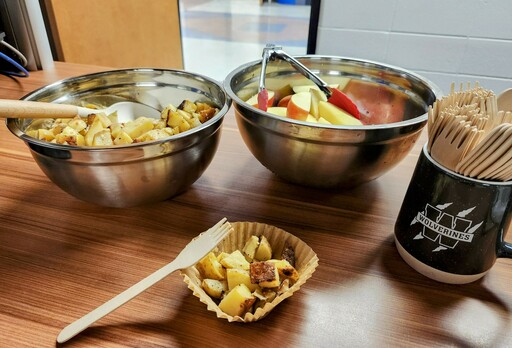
(116, 33)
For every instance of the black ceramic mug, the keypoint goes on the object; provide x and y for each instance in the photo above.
(451, 227)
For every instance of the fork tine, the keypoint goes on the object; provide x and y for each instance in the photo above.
(221, 233)
(215, 227)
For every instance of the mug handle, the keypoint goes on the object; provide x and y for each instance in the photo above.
(504, 248)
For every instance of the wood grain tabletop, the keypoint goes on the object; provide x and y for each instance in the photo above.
(61, 257)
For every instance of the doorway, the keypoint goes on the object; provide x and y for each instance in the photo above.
(220, 35)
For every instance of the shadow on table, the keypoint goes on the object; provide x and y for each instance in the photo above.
(182, 329)
(446, 306)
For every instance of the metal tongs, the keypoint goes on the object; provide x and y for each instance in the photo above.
(334, 95)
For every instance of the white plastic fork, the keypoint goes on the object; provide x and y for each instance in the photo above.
(190, 255)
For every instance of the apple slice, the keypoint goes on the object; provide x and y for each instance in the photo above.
(335, 115)
(323, 120)
(299, 105)
(282, 92)
(254, 99)
(284, 102)
(311, 119)
(316, 97)
(277, 110)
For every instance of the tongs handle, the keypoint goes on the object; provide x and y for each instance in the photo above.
(271, 52)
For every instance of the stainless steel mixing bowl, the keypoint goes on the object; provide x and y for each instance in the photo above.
(134, 174)
(329, 156)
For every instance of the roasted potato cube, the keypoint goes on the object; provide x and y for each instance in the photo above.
(265, 274)
(222, 255)
(188, 106)
(122, 138)
(237, 301)
(288, 254)
(45, 134)
(285, 270)
(235, 260)
(194, 121)
(103, 138)
(214, 288)
(210, 267)
(283, 287)
(138, 127)
(264, 251)
(250, 247)
(77, 124)
(184, 126)
(115, 129)
(153, 134)
(105, 121)
(95, 127)
(113, 117)
(237, 276)
(174, 119)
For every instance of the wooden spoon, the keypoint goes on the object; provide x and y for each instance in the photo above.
(505, 100)
(126, 111)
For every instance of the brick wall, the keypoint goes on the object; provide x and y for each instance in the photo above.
(444, 40)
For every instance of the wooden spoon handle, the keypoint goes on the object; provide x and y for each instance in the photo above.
(31, 109)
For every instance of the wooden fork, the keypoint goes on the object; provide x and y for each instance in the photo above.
(190, 255)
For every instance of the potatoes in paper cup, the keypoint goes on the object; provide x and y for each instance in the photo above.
(305, 264)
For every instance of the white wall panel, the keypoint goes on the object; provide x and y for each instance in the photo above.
(447, 40)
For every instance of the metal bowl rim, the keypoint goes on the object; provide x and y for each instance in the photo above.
(13, 127)
(418, 119)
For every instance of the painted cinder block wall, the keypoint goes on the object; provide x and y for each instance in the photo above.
(444, 40)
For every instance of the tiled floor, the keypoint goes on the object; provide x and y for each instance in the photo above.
(220, 35)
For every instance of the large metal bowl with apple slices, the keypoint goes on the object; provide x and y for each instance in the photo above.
(393, 101)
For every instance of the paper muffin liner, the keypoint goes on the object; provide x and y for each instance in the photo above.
(306, 262)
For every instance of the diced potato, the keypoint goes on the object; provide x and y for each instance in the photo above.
(283, 287)
(286, 270)
(222, 255)
(160, 124)
(103, 138)
(138, 127)
(105, 121)
(164, 115)
(94, 128)
(45, 134)
(153, 134)
(68, 136)
(184, 126)
(265, 274)
(122, 138)
(250, 247)
(235, 260)
(194, 121)
(237, 276)
(115, 129)
(174, 119)
(113, 117)
(264, 251)
(210, 267)
(77, 124)
(188, 106)
(237, 301)
(214, 288)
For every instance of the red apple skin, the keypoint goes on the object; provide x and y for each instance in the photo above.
(253, 101)
(284, 102)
